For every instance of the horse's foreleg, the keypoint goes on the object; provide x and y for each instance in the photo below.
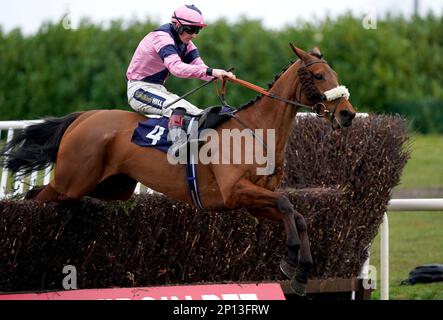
(289, 265)
(305, 264)
(299, 272)
(277, 207)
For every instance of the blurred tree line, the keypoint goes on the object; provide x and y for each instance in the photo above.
(396, 68)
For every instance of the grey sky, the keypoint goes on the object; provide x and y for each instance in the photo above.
(29, 14)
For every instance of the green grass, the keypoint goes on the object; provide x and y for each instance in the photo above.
(425, 167)
(415, 238)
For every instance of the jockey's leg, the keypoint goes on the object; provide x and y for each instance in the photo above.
(176, 128)
(149, 98)
(189, 107)
(144, 98)
(154, 99)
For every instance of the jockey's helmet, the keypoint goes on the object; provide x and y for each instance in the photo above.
(188, 15)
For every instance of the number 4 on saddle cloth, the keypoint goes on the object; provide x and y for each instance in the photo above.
(154, 131)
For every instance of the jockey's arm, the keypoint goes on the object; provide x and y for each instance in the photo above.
(165, 47)
(184, 70)
(192, 67)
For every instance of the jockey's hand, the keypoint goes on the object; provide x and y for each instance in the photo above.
(220, 73)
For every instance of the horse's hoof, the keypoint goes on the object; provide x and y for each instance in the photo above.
(287, 270)
(298, 287)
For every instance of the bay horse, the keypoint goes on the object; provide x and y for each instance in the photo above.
(94, 156)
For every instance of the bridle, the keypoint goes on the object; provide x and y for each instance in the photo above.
(318, 108)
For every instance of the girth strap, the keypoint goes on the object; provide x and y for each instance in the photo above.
(191, 173)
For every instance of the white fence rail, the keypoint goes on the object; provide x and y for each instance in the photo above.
(399, 205)
(11, 184)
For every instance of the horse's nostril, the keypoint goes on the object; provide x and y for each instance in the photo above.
(347, 115)
(352, 115)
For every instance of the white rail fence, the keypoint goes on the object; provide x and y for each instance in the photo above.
(399, 205)
(11, 186)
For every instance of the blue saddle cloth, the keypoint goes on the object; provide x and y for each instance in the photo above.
(153, 133)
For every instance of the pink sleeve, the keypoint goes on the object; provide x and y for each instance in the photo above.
(198, 60)
(183, 70)
(173, 62)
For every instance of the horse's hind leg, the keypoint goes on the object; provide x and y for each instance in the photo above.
(71, 182)
(45, 194)
(81, 163)
(118, 187)
(32, 193)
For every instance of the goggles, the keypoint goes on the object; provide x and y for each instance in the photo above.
(191, 29)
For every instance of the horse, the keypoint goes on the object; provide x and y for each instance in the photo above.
(94, 156)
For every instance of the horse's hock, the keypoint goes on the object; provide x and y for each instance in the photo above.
(341, 181)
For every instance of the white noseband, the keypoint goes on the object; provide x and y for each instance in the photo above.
(337, 93)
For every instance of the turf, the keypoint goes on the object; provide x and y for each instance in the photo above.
(425, 167)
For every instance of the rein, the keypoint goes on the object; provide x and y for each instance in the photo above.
(262, 91)
(319, 108)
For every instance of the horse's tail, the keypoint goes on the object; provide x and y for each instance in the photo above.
(36, 146)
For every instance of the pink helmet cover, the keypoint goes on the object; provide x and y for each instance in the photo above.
(188, 15)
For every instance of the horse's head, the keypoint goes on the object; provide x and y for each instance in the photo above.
(320, 88)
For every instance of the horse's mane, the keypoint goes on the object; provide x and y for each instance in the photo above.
(270, 85)
(306, 79)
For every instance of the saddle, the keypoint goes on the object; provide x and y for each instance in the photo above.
(211, 117)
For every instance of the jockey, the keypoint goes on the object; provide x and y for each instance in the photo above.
(169, 50)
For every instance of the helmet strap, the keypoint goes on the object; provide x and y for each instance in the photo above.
(178, 27)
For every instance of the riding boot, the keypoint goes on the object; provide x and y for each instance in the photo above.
(177, 131)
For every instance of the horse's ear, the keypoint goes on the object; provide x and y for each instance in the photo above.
(299, 52)
(316, 52)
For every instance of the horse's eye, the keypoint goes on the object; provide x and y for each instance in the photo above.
(318, 76)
